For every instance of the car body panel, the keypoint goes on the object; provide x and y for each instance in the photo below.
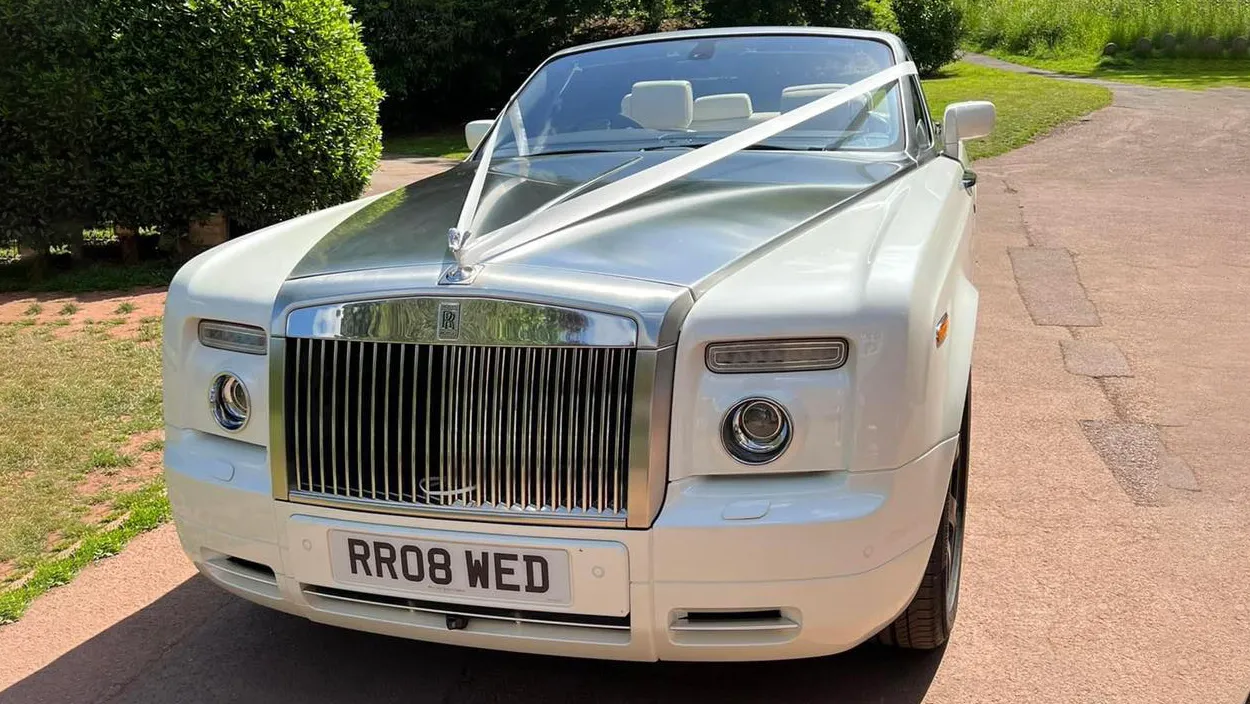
(833, 536)
(881, 273)
(701, 223)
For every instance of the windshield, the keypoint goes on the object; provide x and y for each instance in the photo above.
(689, 92)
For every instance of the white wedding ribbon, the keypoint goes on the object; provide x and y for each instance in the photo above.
(547, 220)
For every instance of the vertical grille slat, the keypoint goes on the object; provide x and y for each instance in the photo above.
(414, 430)
(360, 419)
(308, 413)
(622, 422)
(386, 425)
(513, 416)
(516, 430)
(602, 496)
(588, 411)
(524, 441)
(429, 426)
(334, 411)
(373, 424)
(296, 415)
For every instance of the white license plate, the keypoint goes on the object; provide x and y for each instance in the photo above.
(435, 568)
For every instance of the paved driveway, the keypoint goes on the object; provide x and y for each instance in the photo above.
(1109, 530)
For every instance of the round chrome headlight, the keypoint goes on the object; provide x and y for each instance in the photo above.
(229, 401)
(756, 430)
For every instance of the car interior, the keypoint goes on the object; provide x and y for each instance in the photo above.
(671, 105)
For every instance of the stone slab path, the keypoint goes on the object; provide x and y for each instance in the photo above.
(1114, 454)
(1108, 555)
(396, 171)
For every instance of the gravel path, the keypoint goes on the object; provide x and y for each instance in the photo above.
(1108, 530)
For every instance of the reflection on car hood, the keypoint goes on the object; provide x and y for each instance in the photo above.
(681, 233)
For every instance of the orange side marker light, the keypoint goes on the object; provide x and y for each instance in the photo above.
(943, 327)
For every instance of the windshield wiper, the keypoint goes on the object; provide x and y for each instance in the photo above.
(662, 147)
(555, 152)
(760, 146)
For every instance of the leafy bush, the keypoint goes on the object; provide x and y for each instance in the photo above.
(47, 107)
(821, 13)
(882, 15)
(264, 109)
(931, 29)
(157, 112)
(444, 60)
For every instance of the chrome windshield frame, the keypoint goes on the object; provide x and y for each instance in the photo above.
(897, 53)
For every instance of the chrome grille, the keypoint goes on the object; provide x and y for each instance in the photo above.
(507, 429)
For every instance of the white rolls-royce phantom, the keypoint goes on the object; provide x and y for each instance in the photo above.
(674, 366)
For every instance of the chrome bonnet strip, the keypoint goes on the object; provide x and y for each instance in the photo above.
(656, 308)
(476, 321)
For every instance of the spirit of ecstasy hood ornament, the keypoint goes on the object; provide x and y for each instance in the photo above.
(459, 274)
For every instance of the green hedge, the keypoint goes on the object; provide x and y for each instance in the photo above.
(264, 109)
(932, 30)
(443, 61)
(48, 98)
(821, 13)
(163, 111)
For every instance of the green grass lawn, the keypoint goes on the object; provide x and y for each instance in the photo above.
(75, 482)
(1193, 74)
(1043, 27)
(1028, 106)
(447, 144)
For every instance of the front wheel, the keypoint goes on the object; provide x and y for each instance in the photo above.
(929, 618)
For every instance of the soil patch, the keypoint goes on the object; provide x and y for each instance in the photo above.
(118, 314)
(144, 466)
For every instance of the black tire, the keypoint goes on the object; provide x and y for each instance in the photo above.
(929, 618)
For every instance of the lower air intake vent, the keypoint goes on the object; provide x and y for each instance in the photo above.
(746, 627)
(439, 616)
(763, 620)
(244, 575)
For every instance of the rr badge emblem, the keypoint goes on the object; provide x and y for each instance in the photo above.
(448, 323)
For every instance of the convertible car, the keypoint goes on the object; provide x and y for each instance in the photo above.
(676, 365)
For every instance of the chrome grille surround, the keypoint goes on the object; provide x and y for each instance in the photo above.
(542, 414)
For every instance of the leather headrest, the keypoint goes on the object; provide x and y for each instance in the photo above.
(837, 120)
(662, 105)
(726, 106)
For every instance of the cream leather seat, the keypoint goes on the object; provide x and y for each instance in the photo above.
(660, 105)
(726, 111)
(837, 120)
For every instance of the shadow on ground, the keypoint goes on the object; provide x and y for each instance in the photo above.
(197, 644)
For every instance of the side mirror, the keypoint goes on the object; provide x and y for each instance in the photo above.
(475, 132)
(966, 121)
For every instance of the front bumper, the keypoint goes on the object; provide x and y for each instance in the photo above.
(825, 560)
